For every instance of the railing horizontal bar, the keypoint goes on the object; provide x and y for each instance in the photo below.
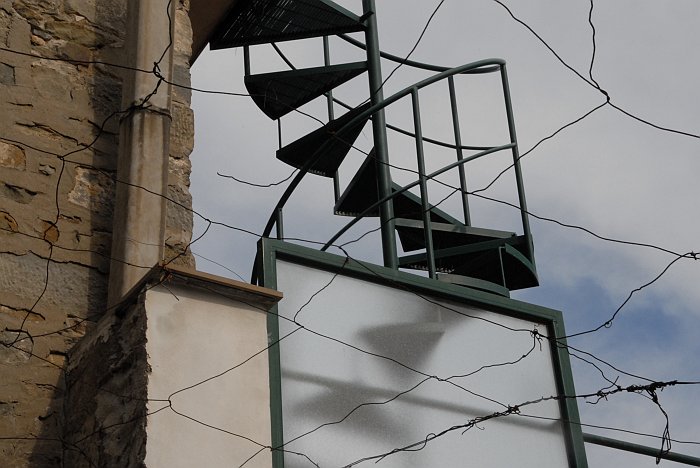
(421, 84)
(414, 64)
(364, 115)
(392, 127)
(640, 449)
(408, 133)
(409, 186)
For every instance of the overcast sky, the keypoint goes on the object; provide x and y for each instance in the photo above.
(609, 173)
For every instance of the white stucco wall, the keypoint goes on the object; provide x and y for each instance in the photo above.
(193, 336)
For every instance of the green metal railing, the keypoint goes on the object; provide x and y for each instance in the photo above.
(491, 65)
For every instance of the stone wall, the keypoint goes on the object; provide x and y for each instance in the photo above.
(106, 394)
(179, 222)
(58, 150)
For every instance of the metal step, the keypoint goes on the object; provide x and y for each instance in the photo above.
(362, 192)
(412, 234)
(474, 283)
(327, 140)
(277, 94)
(253, 22)
(498, 261)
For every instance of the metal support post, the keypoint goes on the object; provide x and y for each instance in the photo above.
(386, 210)
(331, 114)
(516, 162)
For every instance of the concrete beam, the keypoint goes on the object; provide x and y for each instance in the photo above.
(142, 169)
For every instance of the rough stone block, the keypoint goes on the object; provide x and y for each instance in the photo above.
(19, 37)
(181, 77)
(47, 169)
(16, 193)
(93, 190)
(183, 34)
(85, 8)
(8, 222)
(53, 82)
(71, 288)
(73, 51)
(7, 74)
(181, 131)
(5, 22)
(12, 156)
(13, 352)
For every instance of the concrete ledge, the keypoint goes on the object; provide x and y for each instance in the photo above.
(226, 287)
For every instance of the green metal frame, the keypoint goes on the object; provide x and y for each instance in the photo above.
(640, 449)
(270, 250)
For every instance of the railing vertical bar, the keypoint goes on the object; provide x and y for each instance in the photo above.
(279, 133)
(425, 204)
(460, 153)
(279, 224)
(246, 60)
(516, 161)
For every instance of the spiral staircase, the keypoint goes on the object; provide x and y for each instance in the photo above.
(449, 249)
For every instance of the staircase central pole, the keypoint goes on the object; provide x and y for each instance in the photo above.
(386, 210)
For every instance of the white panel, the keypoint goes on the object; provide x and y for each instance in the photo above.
(324, 380)
(194, 336)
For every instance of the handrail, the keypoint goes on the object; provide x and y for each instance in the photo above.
(365, 115)
(425, 138)
(430, 176)
(389, 126)
(414, 64)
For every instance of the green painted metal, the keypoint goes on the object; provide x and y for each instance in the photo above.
(640, 449)
(253, 22)
(279, 223)
(445, 235)
(423, 184)
(321, 152)
(426, 139)
(279, 93)
(422, 66)
(267, 258)
(458, 148)
(347, 106)
(270, 250)
(381, 145)
(331, 111)
(246, 60)
(565, 384)
(516, 163)
(366, 114)
(498, 261)
(474, 283)
(362, 193)
(405, 188)
(326, 147)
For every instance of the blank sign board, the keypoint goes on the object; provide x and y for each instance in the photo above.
(384, 372)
